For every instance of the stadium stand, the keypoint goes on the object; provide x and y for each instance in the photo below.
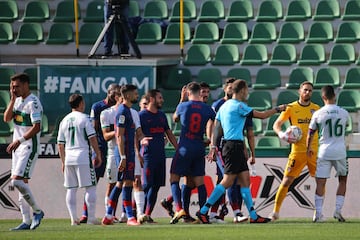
(134, 9)
(268, 131)
(240, 10)
(316, 98)
(342, 54)
(189, 11)
(327, 76)
(267, 78)
(283, 54)
(33, 75)
(89, 32)
(8, 11)
(348, 32)
(352, 10)
(156, 10)
(312, 54)
(211, 10)
(211, 76)
(235, 32)
(149, 33)
(4, 100)
(260, 100)
(270, 10)
(349, 99)
(65, 11)
(177, 78)
(226, 54)
(30, 33)
(36, 11)
(263, 32)
(206, 32)
(60, 33)
(320, 32)
(254, 54)
(172, 35)
(5, 74)
(198, 54)
(298, 10)
(94, 11)
(291, 32)
(6, 128)
(6, 33)
(271, 142)
(287, 96)
(257, 126)
(352, 78)
(327, 10)
(298, 75)
(240, 73)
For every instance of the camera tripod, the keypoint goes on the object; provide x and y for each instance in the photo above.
(119, 23)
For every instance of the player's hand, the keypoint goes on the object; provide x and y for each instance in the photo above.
(251, 160)
(207, 142)
(211, 157)
(12, 146)
(122, 165)
(183, 96)
(281, 107)
(145, 141)
(97, 161)
(284, 136)
(310, 152)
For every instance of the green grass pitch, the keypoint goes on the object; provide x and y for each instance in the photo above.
(282, 229)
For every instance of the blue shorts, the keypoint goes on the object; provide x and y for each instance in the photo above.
(189, 160)
(129, 172)
(154, 174)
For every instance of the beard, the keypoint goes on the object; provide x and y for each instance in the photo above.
(134, 101)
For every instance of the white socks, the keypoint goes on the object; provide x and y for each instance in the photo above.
(71, 203)
(319, 201)
(90, 199)
(25, 209)
(140, 202)
(26, 193)
(339, 203)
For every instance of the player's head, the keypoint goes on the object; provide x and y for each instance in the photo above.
(111, 93)
(305, 92)
(193, 89)
(155, 98)
(328, 93)
(117, 93)
(130, 93)
(20, 84)
(77, 102)
(240, 89)
(204, 91)
(228, 87)
(144, 101)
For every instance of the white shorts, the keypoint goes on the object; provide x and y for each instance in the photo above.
(111, 169)
(78, 176)
(323, 168)
(137, 170)
(23, 161)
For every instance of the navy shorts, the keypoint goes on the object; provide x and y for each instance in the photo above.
(129, 172)
(233, 156)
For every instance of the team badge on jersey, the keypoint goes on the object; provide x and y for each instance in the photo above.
(122, 119)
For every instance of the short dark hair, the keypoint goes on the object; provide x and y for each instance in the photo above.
(306, 83)
(204, 85)
(238, 84)
(127, 88)
(152, 93)
(22, 77)
(75, 100)
(328, 92)
(193, 87)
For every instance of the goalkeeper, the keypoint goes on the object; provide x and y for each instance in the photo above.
(298, 113)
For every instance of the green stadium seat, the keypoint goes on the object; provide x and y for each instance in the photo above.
(352, 10)
(312, 54)
(348, 32)
(263, 32)
(342, 54)
(257, 126)
(240, 73)
(33, 75)
(36, 11)
(299, 75)
(44, 125)
(268, 131)
(65, 11)
(2, 140)
(268, 142)
(226, 54)
(154, 9)
(30, 33)
(198, 54)
(8, 11)
(171, 100)
(283, 54)
(254, 54)
(89, 32)
(260, 100)
(267, 78)
(189, 14)
(178, 77)
(298, 10)
(6, 128)
(211, 11)
(240, 10)
(320, 32)
(60, 33)
(269, 10)
(94, 11)
(235, 33)
(327, 76)
(291, 32)
(211, 76)
(5, 75)
(4, 100)
(6, 33)
(176, 128)
(349, 99)
(349, 126)
(172, 35)
(287, 96)
(316, 97)
(352, 78)
(134, 8)
(206, 33)
(149, 33)
(326, 10)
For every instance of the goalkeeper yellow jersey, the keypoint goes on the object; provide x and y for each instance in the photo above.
(299, 115)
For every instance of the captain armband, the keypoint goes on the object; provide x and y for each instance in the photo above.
(311, 132)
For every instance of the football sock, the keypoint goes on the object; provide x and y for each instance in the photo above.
(280, 196)
(112, 202)
(25, 209)
(186, 194)
(176, 193)
(140, 202)
(170, 199)
(85, 212)
(106, 199)
(215, 195)
(71, 202)
(127, 191)
(339, 202)
(202, 195)
(26, 192)
(151, 196)
(90, 199)
(319, 201)
(246, 195)
(233, 193)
